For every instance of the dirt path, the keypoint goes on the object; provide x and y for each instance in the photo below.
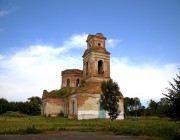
(67, 136)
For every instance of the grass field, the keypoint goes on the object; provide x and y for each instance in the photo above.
(147, 127)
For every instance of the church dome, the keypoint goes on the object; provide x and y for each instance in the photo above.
(99, 35)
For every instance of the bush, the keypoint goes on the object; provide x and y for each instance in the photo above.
(14, 114)
(61, 114)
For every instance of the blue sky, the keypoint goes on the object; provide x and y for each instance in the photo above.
(39, 38)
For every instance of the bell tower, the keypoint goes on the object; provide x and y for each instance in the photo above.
(96, 60)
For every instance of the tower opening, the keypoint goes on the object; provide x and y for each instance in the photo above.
(77, 83)
(99, 44)
(100, 67)
(68, 82)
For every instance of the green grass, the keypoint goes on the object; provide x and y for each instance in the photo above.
(148, 127)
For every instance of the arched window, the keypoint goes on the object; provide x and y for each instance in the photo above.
(68, 82)
(100, 67)
(77, 83)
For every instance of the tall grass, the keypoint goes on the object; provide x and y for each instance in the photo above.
(145, 127)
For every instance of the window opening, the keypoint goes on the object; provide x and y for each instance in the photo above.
(77, 83)
(68, 83)
(100, 67)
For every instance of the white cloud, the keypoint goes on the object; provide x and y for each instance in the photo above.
(76, 41)
(145, 82)
(27, 72)
(111, 43)
(4, 13)
(1, 57)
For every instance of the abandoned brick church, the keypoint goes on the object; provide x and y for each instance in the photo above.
(84, 86)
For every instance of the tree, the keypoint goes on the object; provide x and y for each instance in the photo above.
(35, 99)
(3, 105)
(142, 111)
(153, 105)
(109, 99)
(137, 104)
(132, 106)
(173, 99)
(126, 105)
(163, 108)
(34, 105)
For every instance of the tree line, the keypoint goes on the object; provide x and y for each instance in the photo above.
(167, 107)
(31, 107)
(133, 107)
